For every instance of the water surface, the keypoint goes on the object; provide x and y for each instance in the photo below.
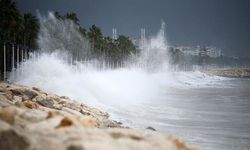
(213, 117)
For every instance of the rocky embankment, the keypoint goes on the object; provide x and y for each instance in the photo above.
(31, 119)
(231, 73)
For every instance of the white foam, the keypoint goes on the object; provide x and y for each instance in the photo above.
(144, 78)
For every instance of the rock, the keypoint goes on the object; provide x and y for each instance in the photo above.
(6, 96)
(29, 93)
(4, 126)
(50, 114)
(2, 90)
(38, 98)
(53, 97)
(19, 104)
(30, 104)
(231, 72)
(46, 103)
(89, 122)
(58, 106)
(16, 92)
(151, 128)
(17, 99)
(33, 116)
(73, 112)
(64, 97)
(24, 93)
(45, 125)
(36, 89)
(84, 112)
(4, 101)
(77, 122)
(8, 114)
(65, 122)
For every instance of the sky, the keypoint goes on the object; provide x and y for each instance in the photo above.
(221, 23)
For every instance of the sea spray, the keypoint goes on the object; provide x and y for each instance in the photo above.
(62, 35)
(65, 66)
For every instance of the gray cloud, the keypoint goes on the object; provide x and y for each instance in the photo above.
(222, 23)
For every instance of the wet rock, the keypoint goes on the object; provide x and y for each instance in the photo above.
(46, 103)
(151, 128)
(64, 97)
(84, 112)
(29, 93)
(36, 89)
(17, 92)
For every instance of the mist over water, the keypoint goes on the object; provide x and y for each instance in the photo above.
(62, 36)
(141, 92)
(65, 66)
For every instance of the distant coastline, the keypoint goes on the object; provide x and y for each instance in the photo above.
(229, 72)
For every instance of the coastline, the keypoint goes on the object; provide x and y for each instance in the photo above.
(230, 72)
(33, 119)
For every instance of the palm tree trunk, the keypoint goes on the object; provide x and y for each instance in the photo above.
(4, 61)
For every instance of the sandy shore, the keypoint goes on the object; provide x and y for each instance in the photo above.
(231, 73)
(31, 119)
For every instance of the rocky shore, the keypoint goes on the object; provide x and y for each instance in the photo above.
(231, 73)
(31, 119)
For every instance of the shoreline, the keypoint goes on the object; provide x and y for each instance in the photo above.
(229, 72)
(33, 119)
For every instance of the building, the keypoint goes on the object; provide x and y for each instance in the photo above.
(209, 51)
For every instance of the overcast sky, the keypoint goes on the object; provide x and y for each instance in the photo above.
(221, 23)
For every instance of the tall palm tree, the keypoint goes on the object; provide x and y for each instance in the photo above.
(31, 28)
(96, 39)
(72, 16)
(11, 20)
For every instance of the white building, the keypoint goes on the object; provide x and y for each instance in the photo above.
(210, 51)
(187, 50)
(213, 52)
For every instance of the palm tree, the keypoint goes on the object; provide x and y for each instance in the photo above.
(125, 46)
(57, 15)
(96, 39)
(72, 16)
(11, 20)
(31, 28)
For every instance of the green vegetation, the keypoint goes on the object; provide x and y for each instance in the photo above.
(101, 46)
(23, 29)
(16, 27)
